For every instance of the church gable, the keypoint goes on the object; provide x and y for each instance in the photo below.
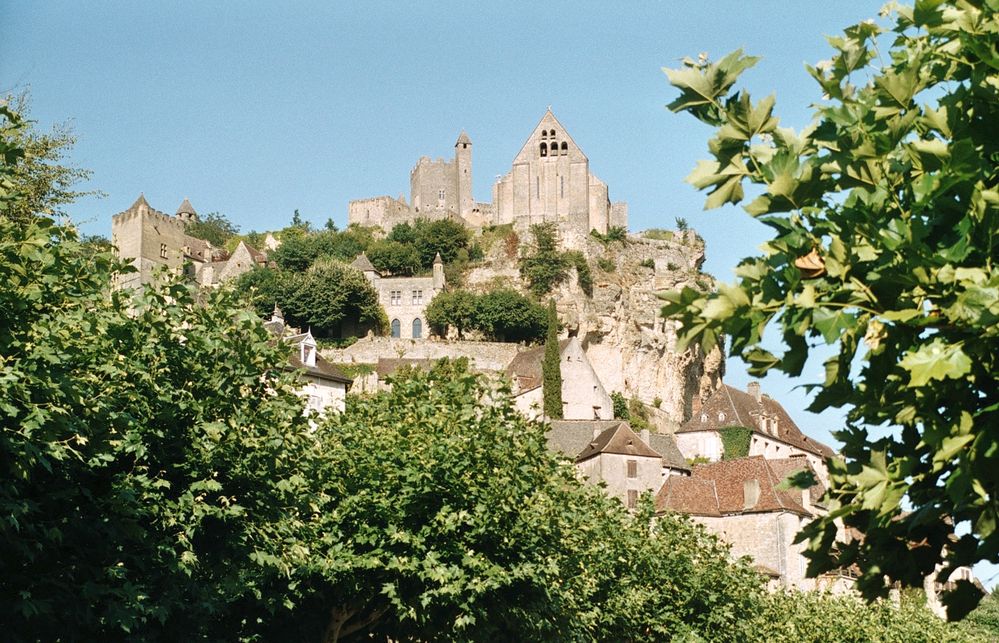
(549, 135)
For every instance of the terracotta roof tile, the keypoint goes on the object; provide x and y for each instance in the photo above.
(731, 477)
(728, 406)
(682, 494)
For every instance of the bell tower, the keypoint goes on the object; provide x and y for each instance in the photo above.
(463, 169)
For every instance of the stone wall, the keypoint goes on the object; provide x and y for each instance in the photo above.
(767, 538)
(612, 468)
(484, 356)
(381, 211)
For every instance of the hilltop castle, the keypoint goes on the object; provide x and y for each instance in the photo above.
(549, 181)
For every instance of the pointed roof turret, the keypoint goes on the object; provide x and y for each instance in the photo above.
(363, 264)
(141, 201)
(463, 138)
(186, 210)
(438, 260)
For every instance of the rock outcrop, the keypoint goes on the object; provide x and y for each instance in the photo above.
(628, 342)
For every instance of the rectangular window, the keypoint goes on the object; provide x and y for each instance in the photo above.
(632, 468)
(163, 250)
(417, 297)
(396, 297)
(632, 498)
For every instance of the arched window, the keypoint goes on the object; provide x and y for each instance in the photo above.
(395, 328)
(552, 133)
(544, 133)
(565, 148)
(417, 328)
(544, 149)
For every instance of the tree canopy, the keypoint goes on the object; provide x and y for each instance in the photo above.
(885, 212)
(214, 227)
(502, 315)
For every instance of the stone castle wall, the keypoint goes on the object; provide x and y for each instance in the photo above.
(484, 356)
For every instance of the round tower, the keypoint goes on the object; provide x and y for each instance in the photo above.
(186, 212)
(463, 167)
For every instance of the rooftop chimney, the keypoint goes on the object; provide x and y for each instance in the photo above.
(750, 494)
(753, 388)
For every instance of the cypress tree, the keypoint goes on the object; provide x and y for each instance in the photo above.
(551, 368)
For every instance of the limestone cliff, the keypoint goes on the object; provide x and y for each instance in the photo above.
(627, 341)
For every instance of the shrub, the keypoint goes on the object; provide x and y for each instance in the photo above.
(735, 441)
(658, 234)
(681, 224)
(583, 274)
(648, 263)
(614, 233)
(606, 264)
(657, 402)
(545, 267)
(501, 315)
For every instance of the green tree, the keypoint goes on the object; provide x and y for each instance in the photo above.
(453, 521)
(507, 316)
(886, 220)
(329, 293)
(394, 257)
(149, 446)
(445, 236)
(266, 287)
(214, 227)
(544, 267)
(455, 309)
(41, 176)
(551, 367)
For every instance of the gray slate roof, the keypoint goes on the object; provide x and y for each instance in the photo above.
(363, 264)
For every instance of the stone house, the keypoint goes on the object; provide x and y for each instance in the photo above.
(749, 503)
(610, 451)
(324, 386)
(155, 242)
(405, 299)
(583, 395)
(774, 434)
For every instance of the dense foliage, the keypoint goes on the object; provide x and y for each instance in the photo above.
(449, 238)
(502, 315)
(886, 220)
(299, 249)
(145, 446)
(551, 367)
(326, 296)
(544, 266)
(214, 227)
(735, 441)
(395, 258)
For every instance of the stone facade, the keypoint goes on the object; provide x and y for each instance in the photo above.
(549, 180)
(405, 299)
(583, 395)
(157, 243)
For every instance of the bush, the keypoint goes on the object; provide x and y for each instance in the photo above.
(501, 315)
(620, 403)
(214, 227)
(606, 264)
(614, 233)
(584, 276)
(648, 263)
(545, 267)
(658, 234)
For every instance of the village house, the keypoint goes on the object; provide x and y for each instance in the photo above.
(774, 434)
(324, 386)
(405, 299)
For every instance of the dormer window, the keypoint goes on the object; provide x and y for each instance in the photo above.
(704, 417)
(721, 416)
(308, 354)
